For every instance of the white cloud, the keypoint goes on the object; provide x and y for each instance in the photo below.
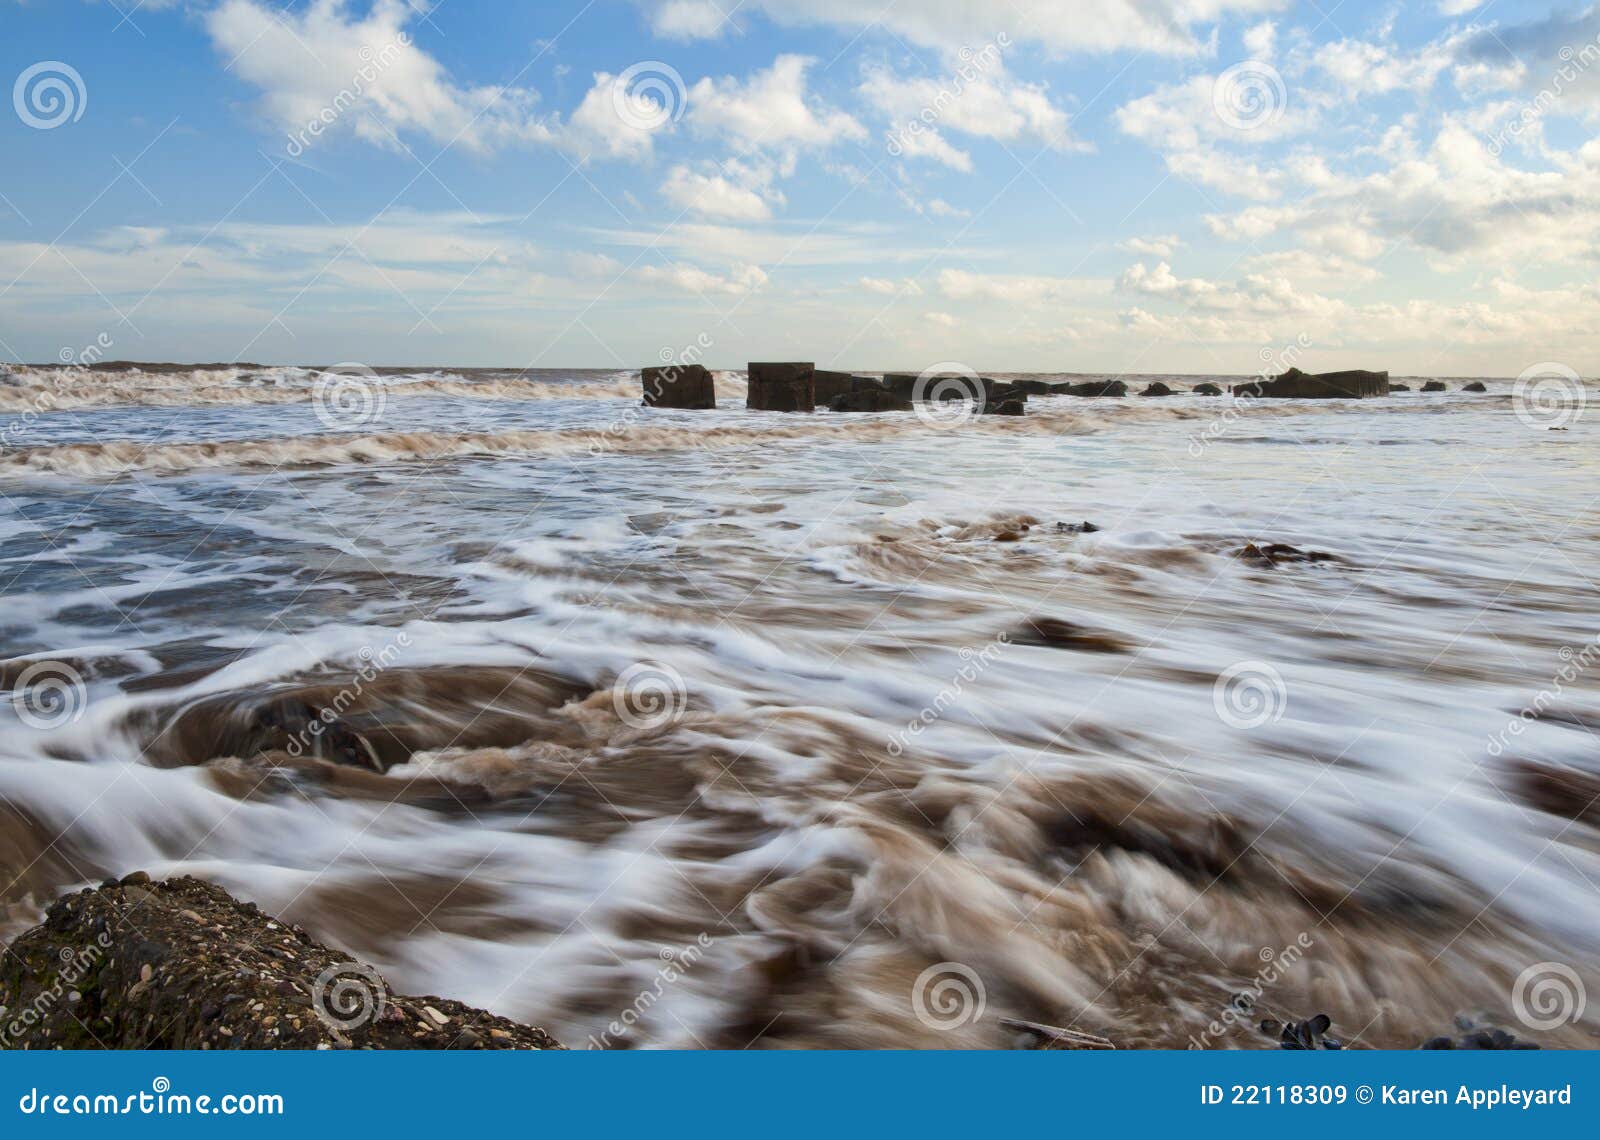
(887, 288)
(770, 109)
(976, 98)
(1164, 245)
(362, 75)
(714, 195)
(1163, 26)
(693, 279)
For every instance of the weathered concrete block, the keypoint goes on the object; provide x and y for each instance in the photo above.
(1297, 385)
(782, 387)
(826, 385)
(870, 397)
(678, 386)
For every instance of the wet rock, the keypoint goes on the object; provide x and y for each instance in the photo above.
(1474, 1036)
(1034, 387)
(1307, 1034)
(872, 398)
(1475, 386)
(1434, 386)
(1393, 388)
(149, 976)
(1207, 390)
(1058, 634)
(1278, 553)
(1097, 388)
(903, 384)
(1157, 389)
(789, 387)
(1077, 528)
(1005, 408)
(828, 386)
(687, 386)
(1297, 385)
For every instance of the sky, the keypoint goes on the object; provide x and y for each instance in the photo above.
(1189, 186)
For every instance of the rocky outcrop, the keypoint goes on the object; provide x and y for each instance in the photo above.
(1004, 408)
(1207, 390)
(679, 386)
(870, 397)
(1434, 386)
(1094, 388)
(1157, 388)
(787, 387)
(1475, 386)
(826, 386)
(181, 964)
(1393, 388)
(1297, 385)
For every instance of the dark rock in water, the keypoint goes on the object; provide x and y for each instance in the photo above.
(1005, 408)
(679, 386)
(1097, 388)
(1157, 389)
(1077, 528)
(1475, 386)
(1276, 553)
(826, 385)
(1034, 387)
(1307, 1034)
(782, 387)
(1393, 388)
(1297, 385)
(181, 964)
(873, 399)
(901, 383)
(1474, 1036)
(1434, 386)
(1058, 634)
(1207, 390)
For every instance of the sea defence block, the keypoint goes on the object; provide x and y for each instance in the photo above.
(1297, 385)
(825, 386)
(679, 386)
(782, 388)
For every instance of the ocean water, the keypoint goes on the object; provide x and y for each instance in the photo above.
(735, 729)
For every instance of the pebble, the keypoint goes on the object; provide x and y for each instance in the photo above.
(436, 1015)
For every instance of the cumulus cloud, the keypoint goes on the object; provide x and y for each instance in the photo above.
(769, 109)
(364, 75)
(713, 194)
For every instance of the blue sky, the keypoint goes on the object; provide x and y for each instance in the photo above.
(1160, 185)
